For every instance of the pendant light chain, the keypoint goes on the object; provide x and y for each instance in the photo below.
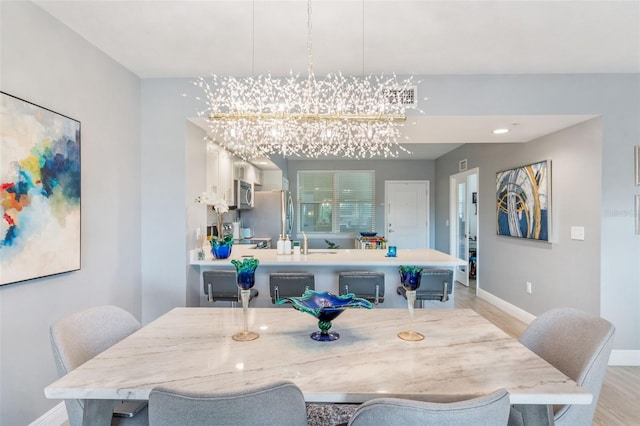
(253, 38)
(309, 57)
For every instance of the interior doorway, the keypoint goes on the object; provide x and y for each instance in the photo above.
(463, 225)
(406, 214)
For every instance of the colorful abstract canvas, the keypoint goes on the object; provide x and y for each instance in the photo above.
(39, 191)
(523, 201)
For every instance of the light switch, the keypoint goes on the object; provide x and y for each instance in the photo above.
(577, 233)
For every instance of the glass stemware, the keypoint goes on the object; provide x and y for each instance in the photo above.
(410, 279)
(246, 278)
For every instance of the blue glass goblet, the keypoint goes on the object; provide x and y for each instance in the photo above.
(410, 278)
(246, 278)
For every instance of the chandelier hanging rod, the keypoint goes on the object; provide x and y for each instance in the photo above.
(307, 117)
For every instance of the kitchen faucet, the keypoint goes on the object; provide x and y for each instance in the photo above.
(305, 244)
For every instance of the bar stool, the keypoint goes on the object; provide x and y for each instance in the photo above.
(221, 285)
(435, 284)
(290, 284)
(368, 285)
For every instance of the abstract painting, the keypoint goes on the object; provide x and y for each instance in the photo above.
(39, 191)
(523, 201)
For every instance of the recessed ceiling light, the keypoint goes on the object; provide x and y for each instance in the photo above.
(500, 131)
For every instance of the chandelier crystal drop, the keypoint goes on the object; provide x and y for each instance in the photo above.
(342, 116)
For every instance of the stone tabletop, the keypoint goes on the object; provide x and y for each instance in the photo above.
(463, 355)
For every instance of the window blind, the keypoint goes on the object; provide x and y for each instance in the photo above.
(332, 201)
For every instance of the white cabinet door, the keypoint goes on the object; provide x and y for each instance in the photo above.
(225, 176)
(212, 170)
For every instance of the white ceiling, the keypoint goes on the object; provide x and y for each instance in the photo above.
(162, 39)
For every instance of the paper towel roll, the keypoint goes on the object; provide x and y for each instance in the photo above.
(236, 230)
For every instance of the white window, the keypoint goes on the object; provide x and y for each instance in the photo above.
(333, 202)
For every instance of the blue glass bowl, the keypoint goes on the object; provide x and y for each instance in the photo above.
(325, 307)
(368, 234)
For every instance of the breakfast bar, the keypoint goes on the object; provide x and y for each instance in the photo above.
(325, 264)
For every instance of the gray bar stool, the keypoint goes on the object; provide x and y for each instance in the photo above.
(290, 284)
(221, 285)
(435, 284)
(368, 285)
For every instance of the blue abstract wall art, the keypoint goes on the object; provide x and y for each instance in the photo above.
(523, 201)
(39, 191)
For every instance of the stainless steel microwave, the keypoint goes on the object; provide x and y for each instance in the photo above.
(243, 194)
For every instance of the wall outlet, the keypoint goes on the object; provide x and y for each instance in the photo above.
(528, 287)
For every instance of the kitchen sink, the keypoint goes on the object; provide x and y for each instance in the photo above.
(321, 251)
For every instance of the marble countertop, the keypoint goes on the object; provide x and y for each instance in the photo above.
(462, 356)
(320, 257)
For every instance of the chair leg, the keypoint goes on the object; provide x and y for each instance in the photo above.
(535, 415)
(445, 292)
(210, 295)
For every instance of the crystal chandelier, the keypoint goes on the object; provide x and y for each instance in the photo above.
(343, 116)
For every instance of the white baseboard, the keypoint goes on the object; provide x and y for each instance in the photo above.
(512, 310)
(57, 416)
(618, 357)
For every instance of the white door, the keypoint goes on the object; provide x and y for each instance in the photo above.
(462, 186)
(461, 226)
(407, 214)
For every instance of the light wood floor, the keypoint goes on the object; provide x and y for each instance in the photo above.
(619, 402)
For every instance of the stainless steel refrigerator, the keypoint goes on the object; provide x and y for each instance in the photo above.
(272, 215)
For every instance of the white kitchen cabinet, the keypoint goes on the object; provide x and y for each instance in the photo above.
(213, 155)
(225, 176)
(257, 177)
(247, 172)
(220, 172)
(274, 180)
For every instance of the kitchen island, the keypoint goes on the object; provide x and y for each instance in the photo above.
(325, 264)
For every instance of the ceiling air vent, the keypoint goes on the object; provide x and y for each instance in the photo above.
(407, 96)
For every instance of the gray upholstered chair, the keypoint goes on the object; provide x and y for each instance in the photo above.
(222, 285)
(290, 284)
(368, 285)
(488, 410)
(579, 345)
(280, 403)
(79, 337)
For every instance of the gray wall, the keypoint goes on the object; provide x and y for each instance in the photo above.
(174, 174)
(169, 188)
(385, 170)
(614, 97)
(563, 273)
(45, 63)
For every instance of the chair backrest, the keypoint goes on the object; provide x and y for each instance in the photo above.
(489, 410)
(290, 284)
(280, 403)
(220, 285)
(79, 337)
(579, 345)
(368, 285)
(435, 284)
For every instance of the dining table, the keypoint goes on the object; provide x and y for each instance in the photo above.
(462, 356)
